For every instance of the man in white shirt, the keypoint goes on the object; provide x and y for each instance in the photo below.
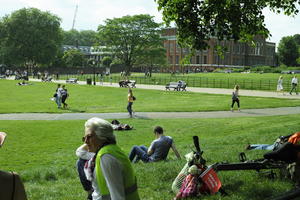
(294, 85)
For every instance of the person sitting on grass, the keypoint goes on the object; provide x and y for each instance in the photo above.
(84, 156)
(11, 186)
(110, 170)
(157, 151)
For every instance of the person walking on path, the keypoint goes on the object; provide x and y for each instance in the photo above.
(64, 96)
(130, 98)
(157, 151)
(110, 170)
(279, 85)
(235, 97)
(294, 85)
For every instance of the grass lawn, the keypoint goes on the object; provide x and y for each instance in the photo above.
(95, 99)
(43, 152)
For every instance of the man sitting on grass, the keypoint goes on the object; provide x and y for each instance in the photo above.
(157, 151)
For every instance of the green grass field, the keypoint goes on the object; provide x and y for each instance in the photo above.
(43, 152)
(35, 98)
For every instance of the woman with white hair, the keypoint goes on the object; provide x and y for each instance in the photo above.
(110, 170)
(280, 85)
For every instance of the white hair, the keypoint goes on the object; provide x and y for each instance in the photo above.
(101, 127)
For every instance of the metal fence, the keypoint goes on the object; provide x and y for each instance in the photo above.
(204, 82)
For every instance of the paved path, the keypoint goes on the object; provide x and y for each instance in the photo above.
(154, 115)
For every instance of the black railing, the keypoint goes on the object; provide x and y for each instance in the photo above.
(248, 84)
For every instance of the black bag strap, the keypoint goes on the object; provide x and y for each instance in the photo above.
(13, 185)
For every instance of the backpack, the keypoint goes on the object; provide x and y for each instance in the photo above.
(64, 92)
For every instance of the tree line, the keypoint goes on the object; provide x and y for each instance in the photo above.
(30, 37)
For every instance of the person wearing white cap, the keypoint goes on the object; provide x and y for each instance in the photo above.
(110, 170)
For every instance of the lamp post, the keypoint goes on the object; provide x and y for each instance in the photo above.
(94, 64)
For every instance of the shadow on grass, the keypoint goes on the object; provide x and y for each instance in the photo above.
(141, 117)
(76, 110)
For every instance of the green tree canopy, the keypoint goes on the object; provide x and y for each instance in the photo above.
(127, 36)
(80, 38)
(74, 58)
(199, 20)
(288, 51)
(106, 61)
(153, 56)
(29, 36)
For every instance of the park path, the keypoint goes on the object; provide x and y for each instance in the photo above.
(154, 115)
(158, 115)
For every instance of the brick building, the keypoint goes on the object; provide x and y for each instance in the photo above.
(237, 55)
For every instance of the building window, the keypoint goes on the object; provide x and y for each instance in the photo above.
(204, 59)
(171, 59)
(177, 59)
(166, 45)
(171, 47)
(197, 59)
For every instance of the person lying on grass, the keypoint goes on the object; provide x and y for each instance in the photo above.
(157, 151)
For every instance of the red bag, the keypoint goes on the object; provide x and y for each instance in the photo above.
(210, 178)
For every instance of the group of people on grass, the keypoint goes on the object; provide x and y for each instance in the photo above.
(60, 96)
(105, 170)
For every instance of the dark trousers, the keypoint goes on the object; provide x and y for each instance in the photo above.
(129, 108)
(87, 185)
(237, 101)
(294, 88)
(139, 153)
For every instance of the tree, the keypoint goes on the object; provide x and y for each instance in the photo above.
(106, 61)
(79, 38)
(127, 36)
(153, 56)
(30, 37)
(288, 51)
(74, 58)
(199, 20)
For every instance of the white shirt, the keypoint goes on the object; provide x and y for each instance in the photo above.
(295, 80)
(58, 92)
(112, 170)
(84, 154)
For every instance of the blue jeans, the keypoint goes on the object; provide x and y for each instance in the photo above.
(87, 185)
(129, 108)
(139, 153)
(262, 146)
(58, 101)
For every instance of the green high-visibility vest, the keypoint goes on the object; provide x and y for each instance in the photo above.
(129, 178)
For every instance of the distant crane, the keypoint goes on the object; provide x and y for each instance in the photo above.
(74, 18)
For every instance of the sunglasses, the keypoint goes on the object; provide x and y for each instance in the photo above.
(87, 137)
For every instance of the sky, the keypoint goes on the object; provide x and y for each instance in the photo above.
(91, 13)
